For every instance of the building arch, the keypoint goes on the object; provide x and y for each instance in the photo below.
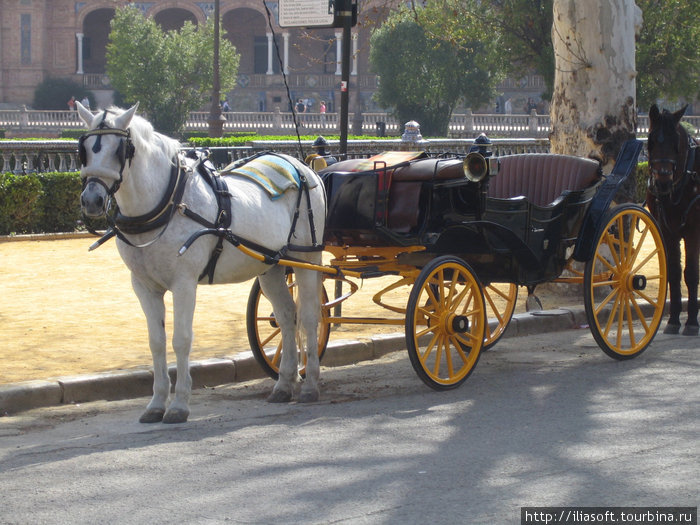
(172, 15)
(253, 5)
(243, 27)
(95, 26)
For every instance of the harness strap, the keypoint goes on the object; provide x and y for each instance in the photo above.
(304, 189)
(223, 217)
(222, 226)
(684, 217)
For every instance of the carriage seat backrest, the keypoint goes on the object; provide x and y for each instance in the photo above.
(541, 178)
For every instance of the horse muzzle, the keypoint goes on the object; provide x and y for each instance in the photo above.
(94, 199)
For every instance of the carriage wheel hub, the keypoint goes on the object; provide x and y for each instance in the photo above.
(459, 324)
(639, 282)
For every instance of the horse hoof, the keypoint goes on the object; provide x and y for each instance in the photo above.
(309, 396)
(279, 396)
(152, 415)
(672, 328)
(690, 330)
(176, 415)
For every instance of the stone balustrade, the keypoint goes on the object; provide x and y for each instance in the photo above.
(30, 156)
(23, 122)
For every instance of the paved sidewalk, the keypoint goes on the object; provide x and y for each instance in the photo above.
(117, 385)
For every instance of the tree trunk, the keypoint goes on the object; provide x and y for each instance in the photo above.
(593, 106)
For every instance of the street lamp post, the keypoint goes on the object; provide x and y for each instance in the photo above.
(216, 119)
(346, 14)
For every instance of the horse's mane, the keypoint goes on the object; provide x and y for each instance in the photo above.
(145, 138)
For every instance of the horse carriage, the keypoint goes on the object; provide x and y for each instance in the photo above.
(461, 232)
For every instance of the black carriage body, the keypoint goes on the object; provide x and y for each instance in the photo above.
(520, 225)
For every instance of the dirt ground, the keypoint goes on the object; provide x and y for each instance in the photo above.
(67, 311)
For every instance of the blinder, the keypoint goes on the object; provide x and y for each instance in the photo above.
(125, 150)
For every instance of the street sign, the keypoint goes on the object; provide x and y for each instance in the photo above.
(307, 13)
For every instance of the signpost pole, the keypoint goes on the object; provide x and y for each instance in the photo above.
(216, 119)
(346, 14)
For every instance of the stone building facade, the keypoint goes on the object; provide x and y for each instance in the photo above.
(40, 39)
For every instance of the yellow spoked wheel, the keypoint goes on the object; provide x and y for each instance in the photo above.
(625, 282)
(264, 335)
(500, 305)
(445, 323)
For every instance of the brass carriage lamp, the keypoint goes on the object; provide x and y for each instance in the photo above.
(479, 162)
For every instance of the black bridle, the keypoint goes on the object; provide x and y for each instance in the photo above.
(120, 224)
(678, 182)
(125, 151)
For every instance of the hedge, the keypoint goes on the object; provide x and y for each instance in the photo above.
(243, 138)
(39, 202)
(50, 202)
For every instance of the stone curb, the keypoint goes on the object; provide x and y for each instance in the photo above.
(128, 384)
(46, 236)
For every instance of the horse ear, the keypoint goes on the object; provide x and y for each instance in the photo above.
(84, 113)
(678, 115)
(654, 113)
(123, 120)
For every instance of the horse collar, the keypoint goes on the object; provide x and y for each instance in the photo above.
(160, 216)
(162, 213)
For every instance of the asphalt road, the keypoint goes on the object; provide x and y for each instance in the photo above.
(545, 419)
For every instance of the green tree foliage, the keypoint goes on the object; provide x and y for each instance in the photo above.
(53, 93)
(668, 54)
(422, 77)
(169, 73)
(668, 57)
(518, 33)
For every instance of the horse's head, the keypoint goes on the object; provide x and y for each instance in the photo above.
(104, 152)
(668, 149)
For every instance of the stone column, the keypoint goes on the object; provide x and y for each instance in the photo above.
(270, 71)
(79, 37)
(354, 54)
(338, 52)
(286, 52)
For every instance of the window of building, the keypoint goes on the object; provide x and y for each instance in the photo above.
(260, 56)
(25, 30)
(330, 60)
(87, 48)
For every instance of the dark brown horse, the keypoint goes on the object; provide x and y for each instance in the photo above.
(673, 197)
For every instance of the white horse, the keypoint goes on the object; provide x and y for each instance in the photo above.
(164, 202)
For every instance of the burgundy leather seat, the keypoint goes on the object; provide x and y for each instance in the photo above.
(541, 177)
